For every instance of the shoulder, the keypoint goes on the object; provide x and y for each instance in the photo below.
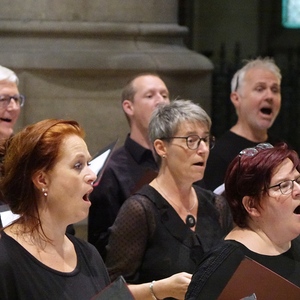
(205, 195)
(8, 250)
(232, 141)
(296, 245)
(136, 206)
(202, 192)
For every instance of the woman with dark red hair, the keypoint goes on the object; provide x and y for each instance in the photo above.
(262, 187)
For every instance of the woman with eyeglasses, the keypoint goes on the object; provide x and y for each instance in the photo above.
(262, 187)
(165, 228)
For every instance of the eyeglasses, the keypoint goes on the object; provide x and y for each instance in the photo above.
(250, 152)
(193, 141)
(6, 99)
(287, 186)
(237, 83)
(254, 150)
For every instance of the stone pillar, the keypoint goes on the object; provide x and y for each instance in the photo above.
(74, 57)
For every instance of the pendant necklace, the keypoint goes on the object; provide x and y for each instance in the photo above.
(190, 219)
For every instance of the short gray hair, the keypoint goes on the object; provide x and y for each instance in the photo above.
(167, 117)
(8, 75)
(259, 63)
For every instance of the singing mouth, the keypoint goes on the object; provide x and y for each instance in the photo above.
(297, 210)
(5, 120)
(266, 111)
(201, 164)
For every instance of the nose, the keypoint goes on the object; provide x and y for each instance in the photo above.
(269, 94)
(202, 147)
(160, 98)
(91, 176)
(12, 104)
(296, 189)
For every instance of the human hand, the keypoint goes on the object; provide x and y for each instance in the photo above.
(174, 286)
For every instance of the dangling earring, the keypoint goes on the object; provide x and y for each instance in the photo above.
(44, 191)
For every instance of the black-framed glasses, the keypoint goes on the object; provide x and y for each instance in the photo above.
(286, 187)
(193, 141)
(6, 99)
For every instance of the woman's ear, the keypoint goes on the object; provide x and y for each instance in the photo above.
(39, 179)
(250, 206)
(159, 147)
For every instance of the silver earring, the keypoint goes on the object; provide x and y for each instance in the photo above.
(163, 156)
(44, 191)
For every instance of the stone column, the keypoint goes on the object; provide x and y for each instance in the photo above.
(74, 56)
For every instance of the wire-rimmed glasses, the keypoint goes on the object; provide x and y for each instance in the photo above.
(286, 186)
(254, 150)
(6, 99)
(250, 152)
(193, 141)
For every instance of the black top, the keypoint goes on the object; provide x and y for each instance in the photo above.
(219, 265)
(126, 167)
(153, 242)
(22, 276)
(227, 147)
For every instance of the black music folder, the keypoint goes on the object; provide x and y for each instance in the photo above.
(252, 280)
(117, 290)
(100, 160)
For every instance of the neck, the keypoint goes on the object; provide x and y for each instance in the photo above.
(258, 241)
(182, 198)
(140, 138)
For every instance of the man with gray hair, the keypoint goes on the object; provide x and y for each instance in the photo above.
(256, 96)
(10, 102)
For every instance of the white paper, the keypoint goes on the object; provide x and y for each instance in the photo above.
(220, 189)
(97, 163)
(7, 217)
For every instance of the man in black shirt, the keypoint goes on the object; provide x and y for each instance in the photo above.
(256, 96)
(129, 165)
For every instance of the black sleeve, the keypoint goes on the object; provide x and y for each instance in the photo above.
(105, 206)
(129, 234)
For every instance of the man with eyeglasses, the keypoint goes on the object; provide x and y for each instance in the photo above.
(10, 106)
(127, 169)
(10, 102)
(256, 96)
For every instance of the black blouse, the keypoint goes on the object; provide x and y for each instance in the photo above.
(149, 241)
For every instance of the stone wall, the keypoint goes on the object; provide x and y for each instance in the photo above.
(74, 57)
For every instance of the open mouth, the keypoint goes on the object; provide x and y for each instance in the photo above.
(266, 111)
(297, 210)
(86, 197)
(5, 120)
(200, 164)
